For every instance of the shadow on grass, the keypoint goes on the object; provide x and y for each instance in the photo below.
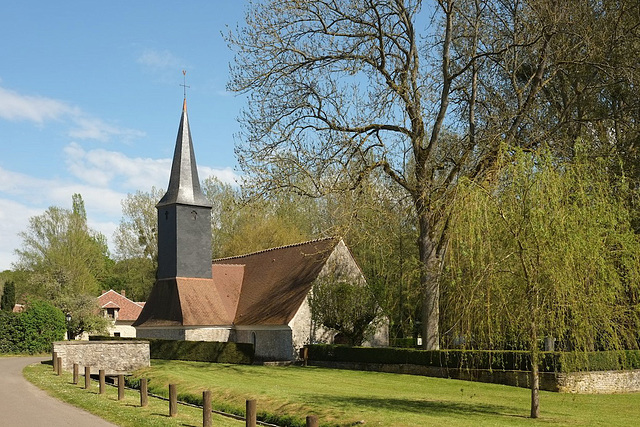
(416, 406)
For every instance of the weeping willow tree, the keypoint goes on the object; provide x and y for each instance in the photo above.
(544, 249)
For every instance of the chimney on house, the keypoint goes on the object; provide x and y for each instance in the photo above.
(122, 292)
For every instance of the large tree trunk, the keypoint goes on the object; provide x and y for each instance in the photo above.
(430, 261)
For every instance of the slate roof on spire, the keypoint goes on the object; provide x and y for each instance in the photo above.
(184, 185)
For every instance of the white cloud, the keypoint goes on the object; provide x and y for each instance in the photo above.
(94, 128)
(102, 168)
(106, 168)
(15, 106)
(159, 59)
(14, 217)
(38, 109)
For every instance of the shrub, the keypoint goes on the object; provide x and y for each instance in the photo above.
(196, 351)
(480, 359)
(41, 324)
(33, 330)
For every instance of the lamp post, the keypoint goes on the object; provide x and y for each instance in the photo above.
(68, 319)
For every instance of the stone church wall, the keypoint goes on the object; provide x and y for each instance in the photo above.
(270, 342)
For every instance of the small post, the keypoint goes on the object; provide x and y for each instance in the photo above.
(87, 377)
(120, 387)
(54, 358)
(59, 365)
(312, 421)
(251, 413)
(144, 395)
(173, 400)
(75, 373)
(206, 409)
(102, 384)
(305, 355)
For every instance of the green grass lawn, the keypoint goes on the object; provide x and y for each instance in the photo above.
(338, 397)
(341, 397)
(127, 412)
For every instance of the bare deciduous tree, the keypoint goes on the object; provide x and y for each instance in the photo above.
(338, 89)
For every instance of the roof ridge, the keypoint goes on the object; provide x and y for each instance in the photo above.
(121, 296)
(277, 248)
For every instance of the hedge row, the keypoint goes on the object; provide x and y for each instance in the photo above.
(479, 359)
(196, 351)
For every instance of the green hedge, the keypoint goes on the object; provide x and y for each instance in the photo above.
(479, 359)
(196, 351)
(33, 330)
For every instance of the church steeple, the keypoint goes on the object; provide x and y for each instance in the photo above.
(184, 185)
(184, 215)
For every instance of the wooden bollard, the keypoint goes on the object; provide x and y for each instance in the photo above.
(173, 400)
(120, 387)
(144, 395)
(59, 365)
(305, 355)
(54, 359)
(206, 409)
(251, 413)
(75, 373)
(102, 381)
(312, 421)
(87, 377)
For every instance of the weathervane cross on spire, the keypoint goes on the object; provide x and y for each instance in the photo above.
(184, 83)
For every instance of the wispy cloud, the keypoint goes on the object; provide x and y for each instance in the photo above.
(15, 106)
(38, 109)
(93, 128)
(103, 168)
(162, 59)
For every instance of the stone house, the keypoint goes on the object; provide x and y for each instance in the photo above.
(121, 311)
(259, 298)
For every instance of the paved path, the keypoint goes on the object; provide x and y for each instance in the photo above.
(24, 405)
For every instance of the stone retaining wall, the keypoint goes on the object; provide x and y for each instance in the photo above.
(600, 382)
(115, 357)
(572, 382)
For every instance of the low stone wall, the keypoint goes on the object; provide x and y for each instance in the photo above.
(115, 357)
(600, 382)
(572, 382)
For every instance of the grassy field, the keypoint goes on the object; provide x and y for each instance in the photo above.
(127, 412)
(338, 397)
(341, 397)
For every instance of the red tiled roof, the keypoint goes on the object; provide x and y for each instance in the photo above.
(262, 288)
(275, 281)
(110, 304)
(129, 310)
(184, 301)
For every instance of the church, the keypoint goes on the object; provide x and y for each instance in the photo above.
(259, 298)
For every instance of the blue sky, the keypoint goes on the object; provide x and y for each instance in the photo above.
(90, 102)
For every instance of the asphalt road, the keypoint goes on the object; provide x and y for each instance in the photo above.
(24, 405)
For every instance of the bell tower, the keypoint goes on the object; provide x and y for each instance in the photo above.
(184, 215)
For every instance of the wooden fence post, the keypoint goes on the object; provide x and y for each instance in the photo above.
(206, 408)
(54, 359)
(173, 400)
(59, 365)
(87, 377)
(102, 384)
(75, 373)
(144, 396)
(120, 387)
(251, 413)
(312, 421)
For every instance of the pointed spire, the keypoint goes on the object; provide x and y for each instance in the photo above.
(184, 185)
